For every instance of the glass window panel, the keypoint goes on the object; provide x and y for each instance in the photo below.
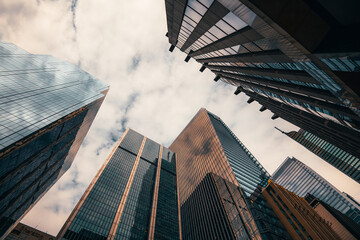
(234, 21)
(207, 3)
(198, 7)
(192, 14)
(217, 32)
(225, 27)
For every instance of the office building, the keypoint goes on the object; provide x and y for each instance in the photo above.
(218, 208)
(133, 196)
(24, 232)
(344, 226)
(298, 178)
(298, 59)
(46, 109)
(298, 217)
(206, 148)
(342, 160)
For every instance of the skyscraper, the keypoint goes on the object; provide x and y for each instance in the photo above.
(46, 109)
(210, 155)
(218, 209)
(300, 179)
(344, 226)
(298, 59)
(342, 160)
(301, 221)
(133, 196)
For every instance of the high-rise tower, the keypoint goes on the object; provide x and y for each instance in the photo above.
(46, 109)
(342, 160)
(300, 179)
(344, 226)
(299, 59)
(301, 221)
(215, 169)
(133, 196)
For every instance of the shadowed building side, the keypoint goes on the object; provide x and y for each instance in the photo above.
(224, 204)
(298, 59)
(342, 160)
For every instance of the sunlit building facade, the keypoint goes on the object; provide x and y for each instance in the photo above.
(344, 226)
(133, 196)
(301, 180)
(300, 60)
(342, 160)
(46, 109)
(298, 217)
(215, 169)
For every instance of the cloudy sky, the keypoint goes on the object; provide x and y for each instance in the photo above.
(152, 90)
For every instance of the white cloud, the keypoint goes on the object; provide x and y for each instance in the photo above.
(168, 91)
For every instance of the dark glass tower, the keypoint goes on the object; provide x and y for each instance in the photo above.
(342, 160)
(300, 179)
(46, 109)
(298, 59)
(218, 180)
(133, 196)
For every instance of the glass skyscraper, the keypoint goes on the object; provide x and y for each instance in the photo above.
(218, 177)
(342, 160)
(133, 196)
(300, 179)
(46, 109)
(298, 60)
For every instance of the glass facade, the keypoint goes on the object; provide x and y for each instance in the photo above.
(279, 69)
(46, 109)
(134, 191)
(208, 151)
(342, 160)
(167, 220)
(248, 171)
(217, 209)
(300, 179)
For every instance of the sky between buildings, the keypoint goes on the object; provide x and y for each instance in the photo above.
(152, 91)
